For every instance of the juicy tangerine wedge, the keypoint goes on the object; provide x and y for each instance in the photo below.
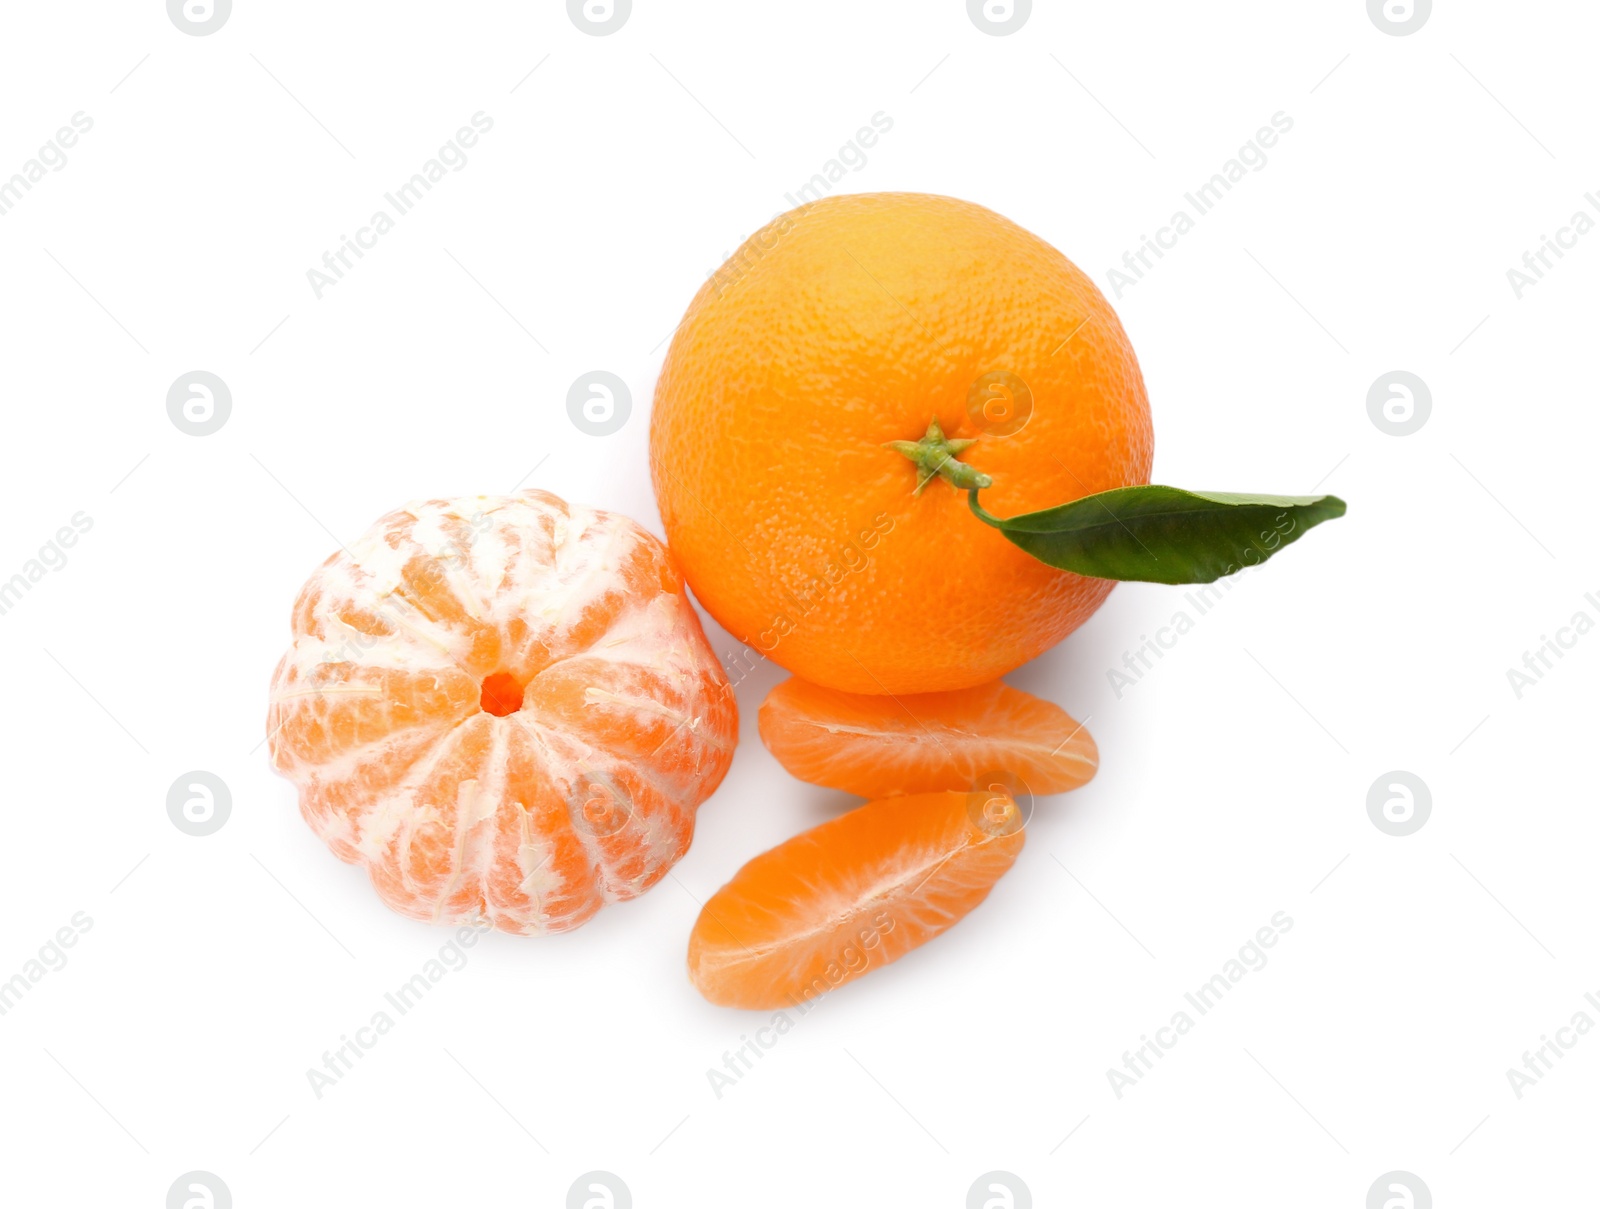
(851, 895)
(878, 746)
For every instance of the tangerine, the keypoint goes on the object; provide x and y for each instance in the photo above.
(843, 335)
(504, 708)
(850, 896)
(876, 746)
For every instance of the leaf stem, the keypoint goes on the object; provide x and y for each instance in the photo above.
(978, 510)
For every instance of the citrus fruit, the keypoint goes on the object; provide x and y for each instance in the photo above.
(850, 895)
(876, 746)
(504, 708)
(859, 321)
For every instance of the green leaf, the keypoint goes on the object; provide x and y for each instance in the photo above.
(1163, 535)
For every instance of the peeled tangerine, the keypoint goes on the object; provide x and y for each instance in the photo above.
(915, 743)
(504, 708)
(851, 895)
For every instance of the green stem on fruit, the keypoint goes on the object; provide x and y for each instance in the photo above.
(936, 454)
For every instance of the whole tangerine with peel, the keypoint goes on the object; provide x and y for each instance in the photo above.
(504, 708)
(816, 402)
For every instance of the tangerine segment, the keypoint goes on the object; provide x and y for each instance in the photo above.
(504, 708)
(851, 895)
(877, 746)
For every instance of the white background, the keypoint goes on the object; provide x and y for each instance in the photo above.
(1234, 775)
